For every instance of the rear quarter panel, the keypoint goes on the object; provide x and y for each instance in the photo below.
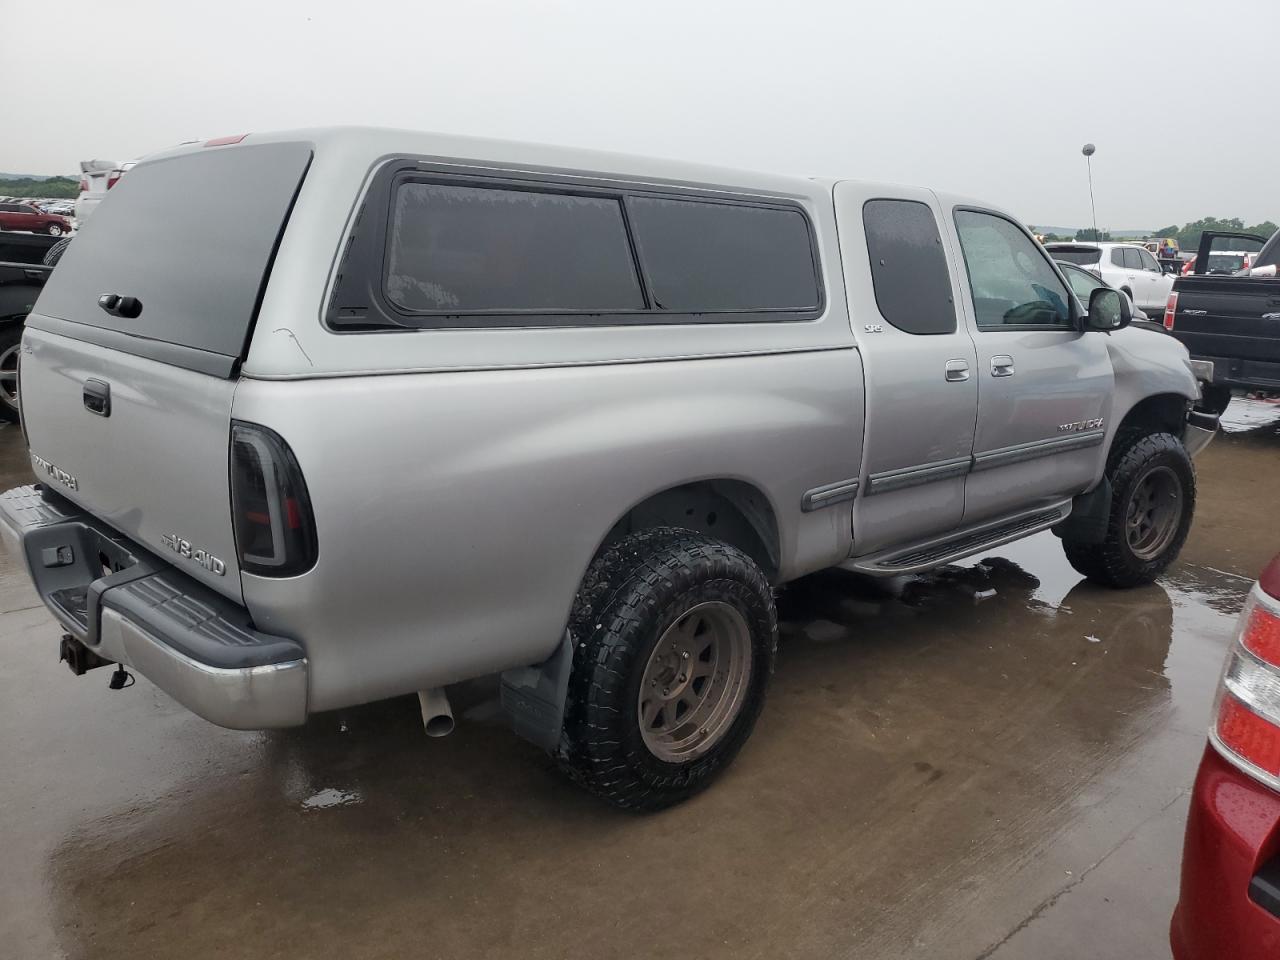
(458, 511)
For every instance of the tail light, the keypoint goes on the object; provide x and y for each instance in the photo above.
(271, 510)
(1170, 311)
(84, 185)
(113, 179)
(1246, 727)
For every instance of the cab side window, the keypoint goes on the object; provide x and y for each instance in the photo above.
(1012, 282)
(908, 266)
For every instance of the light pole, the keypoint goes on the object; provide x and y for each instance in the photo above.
(1088, 150)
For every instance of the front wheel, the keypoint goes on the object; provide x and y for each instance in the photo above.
(1153, 498)
(674, 638)
(54, 230)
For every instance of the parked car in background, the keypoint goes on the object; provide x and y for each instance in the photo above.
(1129, 267)
(1229, 903)
(1223, 253)
(1219, 263)
(1166, 252)
(24, 216)
(1083, 283)
(96, 178)
(26, 260)
(1231, 321)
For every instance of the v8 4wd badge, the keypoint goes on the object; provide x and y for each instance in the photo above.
(183, 548)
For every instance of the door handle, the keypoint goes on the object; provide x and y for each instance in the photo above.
(957, 371)
(1002, 366)
(97, 397)
(118, 306)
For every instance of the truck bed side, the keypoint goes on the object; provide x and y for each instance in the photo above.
(1234, 322)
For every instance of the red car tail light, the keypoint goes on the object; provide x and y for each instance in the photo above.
(1246, 727)
(271, 510)
(1170, 311)
(113, 180)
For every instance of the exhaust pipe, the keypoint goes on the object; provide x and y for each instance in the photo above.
(437, 715)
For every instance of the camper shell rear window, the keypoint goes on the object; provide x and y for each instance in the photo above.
(191, 238)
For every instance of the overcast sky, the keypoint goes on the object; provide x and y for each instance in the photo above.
(988, 98)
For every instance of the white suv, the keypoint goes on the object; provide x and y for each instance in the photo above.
(1126, 266)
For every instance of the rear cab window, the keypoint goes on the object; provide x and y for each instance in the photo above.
(437, 250)
(192, 238)
(908, 266)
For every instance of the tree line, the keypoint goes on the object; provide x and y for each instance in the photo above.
(55, 188)
(1187, 235)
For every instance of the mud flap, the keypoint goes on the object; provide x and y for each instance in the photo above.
(533, 697)
(1090, 513)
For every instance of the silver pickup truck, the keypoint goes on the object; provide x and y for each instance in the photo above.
(393, 410)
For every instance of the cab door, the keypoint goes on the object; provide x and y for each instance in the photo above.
(1044, 383)
(919, 360)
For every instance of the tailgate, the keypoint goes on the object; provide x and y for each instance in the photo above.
(156, 468)
(1234, 317)
(130, 358)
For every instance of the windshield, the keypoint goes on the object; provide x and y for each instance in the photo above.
(1081, 255)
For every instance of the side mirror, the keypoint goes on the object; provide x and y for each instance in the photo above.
(1108, 310)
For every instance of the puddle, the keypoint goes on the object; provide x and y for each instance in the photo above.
(331, 797)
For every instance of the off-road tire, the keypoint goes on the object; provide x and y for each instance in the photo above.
(54, 253)
(633, 591)
(1133, 456)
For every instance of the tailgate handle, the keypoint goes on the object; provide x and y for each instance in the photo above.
(119, 306)
(97, 397)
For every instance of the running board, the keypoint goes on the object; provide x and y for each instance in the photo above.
(958, 544)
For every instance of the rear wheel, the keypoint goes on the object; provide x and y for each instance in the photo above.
(10, 342)
(674, 639)
(1153, 499)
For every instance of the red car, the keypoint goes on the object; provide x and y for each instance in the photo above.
(23, 216)
(1229, 905)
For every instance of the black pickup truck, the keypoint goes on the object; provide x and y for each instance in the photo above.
(1231, 319)
(26, 260)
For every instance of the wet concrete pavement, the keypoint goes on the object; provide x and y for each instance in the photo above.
(940, 772)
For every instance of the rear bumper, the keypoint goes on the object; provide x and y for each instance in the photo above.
(1238, 373)
(130, 608)
(1231, 839)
